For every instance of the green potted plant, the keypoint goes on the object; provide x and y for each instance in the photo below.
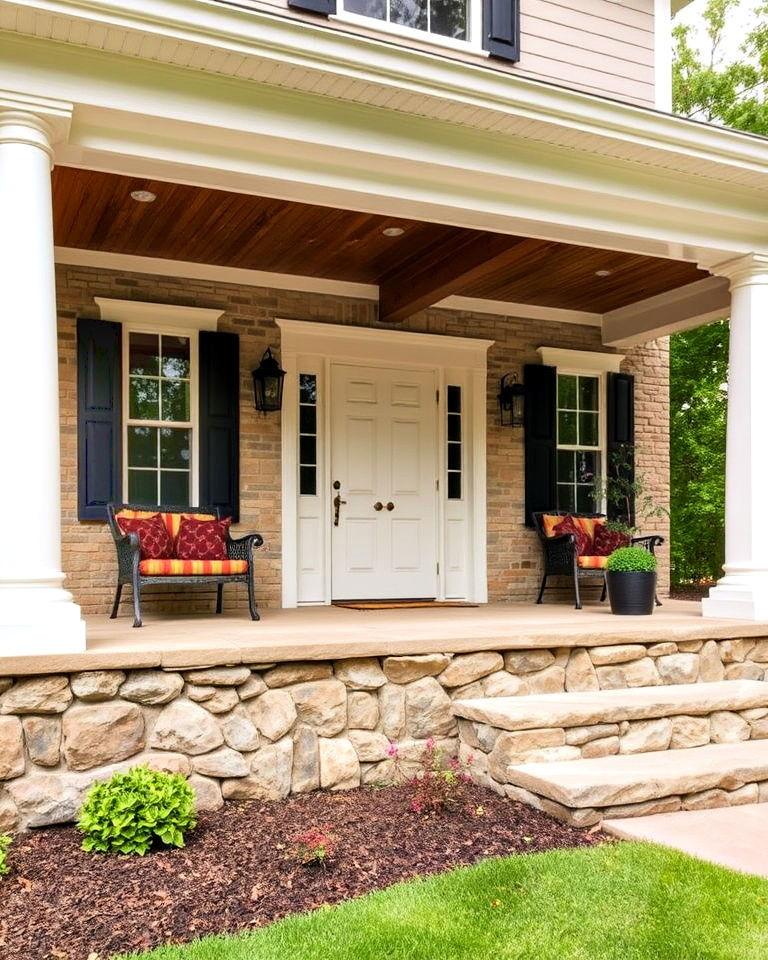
(631, 578)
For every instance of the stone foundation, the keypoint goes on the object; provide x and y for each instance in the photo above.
(267, 730)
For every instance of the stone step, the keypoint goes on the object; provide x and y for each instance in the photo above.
(583, 791)
(545, 711)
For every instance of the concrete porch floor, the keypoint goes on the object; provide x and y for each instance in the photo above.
(326, 633)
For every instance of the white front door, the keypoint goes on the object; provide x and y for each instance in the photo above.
(384, 470)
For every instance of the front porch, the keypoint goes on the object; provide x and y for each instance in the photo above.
(173, 642)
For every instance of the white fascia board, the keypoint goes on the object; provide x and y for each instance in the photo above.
(521, 311)
(265, 36)
(682, 309)
(155, 266)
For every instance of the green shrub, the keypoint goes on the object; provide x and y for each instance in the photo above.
(5, 842)
(131, 811)
(631, 560)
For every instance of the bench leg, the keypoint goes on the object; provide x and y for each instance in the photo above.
(605, 590)
(136, 604)
(543, 586)
(252, 598)
(576, 590)
(219, 597)
(116, 604)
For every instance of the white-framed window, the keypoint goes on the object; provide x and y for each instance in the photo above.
(580, 439)
(448, 22)
(160, 403)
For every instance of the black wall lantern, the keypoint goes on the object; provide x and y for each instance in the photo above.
(511, 401)
(268, 383)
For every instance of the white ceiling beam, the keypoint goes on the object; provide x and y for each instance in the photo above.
(682, 309)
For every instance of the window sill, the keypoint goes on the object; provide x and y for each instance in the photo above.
(409, 33)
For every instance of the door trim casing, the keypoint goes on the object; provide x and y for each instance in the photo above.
(313, 347)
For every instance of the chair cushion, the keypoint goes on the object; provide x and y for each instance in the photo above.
(606, 541)
(568, 525)
(587, 527)
(172, 520)
(592, 562)
(188, 568)
(155, 542)
(202, 539)
(549, 521)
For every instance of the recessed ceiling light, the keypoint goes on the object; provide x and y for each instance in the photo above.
(603, 273)
(143, 196)
(393, 231)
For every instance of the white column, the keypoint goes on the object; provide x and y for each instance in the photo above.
(743, 591)
(37, 616)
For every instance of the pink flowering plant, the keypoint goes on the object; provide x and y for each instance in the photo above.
(314, 847)
(439, 784)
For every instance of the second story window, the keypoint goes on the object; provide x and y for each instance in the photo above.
(443, 18)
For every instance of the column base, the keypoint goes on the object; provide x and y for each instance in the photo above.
(743, 597)
(36, 622)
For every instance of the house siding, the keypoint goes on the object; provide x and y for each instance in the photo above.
(600, 46)
(513, 551)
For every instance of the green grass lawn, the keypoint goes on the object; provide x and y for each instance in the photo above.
(614, 902)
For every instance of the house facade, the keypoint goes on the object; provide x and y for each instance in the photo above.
(405, 203)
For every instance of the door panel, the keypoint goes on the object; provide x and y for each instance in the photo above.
(384, 451)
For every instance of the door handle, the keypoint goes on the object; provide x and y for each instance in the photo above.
(378, 506)
(390, 506)
(337, 502)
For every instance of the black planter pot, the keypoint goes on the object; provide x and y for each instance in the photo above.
(631, 594)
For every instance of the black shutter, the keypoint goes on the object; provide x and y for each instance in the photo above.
(99, 438)
(540, 439)
(220, 422)
(501, 29)
(324, 7)
(621, 439)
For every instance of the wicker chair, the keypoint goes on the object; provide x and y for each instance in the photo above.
(128, 561)
(561, 555)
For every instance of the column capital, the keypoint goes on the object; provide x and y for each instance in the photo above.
(35, 121)
(747, 270)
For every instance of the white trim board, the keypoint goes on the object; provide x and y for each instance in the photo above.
(311, 348)
(183, 269)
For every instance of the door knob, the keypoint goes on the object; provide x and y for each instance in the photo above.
(390, 506)
(378, 506)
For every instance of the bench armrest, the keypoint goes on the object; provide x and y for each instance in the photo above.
(241, 548)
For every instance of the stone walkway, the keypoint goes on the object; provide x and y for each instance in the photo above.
(735, 837)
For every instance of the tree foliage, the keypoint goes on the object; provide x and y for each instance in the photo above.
(698, 403)
(708, 85)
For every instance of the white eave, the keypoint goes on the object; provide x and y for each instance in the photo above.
(303, 55)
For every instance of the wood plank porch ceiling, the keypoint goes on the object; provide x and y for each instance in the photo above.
(94, 211)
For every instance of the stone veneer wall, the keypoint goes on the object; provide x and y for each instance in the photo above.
(513, 552)
(266, 730)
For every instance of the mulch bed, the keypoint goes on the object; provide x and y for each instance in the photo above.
(691, 591)
(234, 874)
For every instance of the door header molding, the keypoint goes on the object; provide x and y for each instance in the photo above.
(344, 342)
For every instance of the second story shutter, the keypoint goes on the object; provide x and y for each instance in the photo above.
(323, 7)
(501, 29)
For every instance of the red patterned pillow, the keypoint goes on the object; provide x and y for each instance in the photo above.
(606, 541)
(569, 525)
(202, 539)
(154, 540)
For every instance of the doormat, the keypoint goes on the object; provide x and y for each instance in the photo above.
(399, 604)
